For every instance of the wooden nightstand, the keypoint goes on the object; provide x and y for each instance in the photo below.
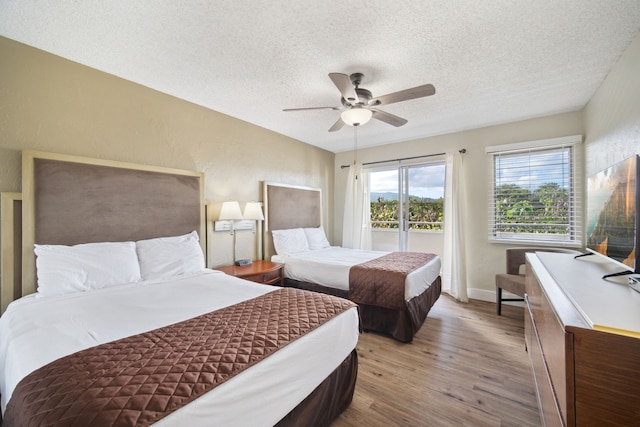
(266, 272)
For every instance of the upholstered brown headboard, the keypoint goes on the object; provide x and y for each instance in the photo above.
(69, 200)
(289, 206)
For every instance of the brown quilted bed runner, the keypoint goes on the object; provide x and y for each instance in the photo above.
(381, 281)
(140, 379)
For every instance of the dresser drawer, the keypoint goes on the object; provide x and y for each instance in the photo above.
(550, 411)
(555, 347)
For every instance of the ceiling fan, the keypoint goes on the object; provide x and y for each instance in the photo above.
(359, 105)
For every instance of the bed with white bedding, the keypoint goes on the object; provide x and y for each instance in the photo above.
(35, 331)
(334, 270)
(330, 267)
(143, 271)
(394, 291)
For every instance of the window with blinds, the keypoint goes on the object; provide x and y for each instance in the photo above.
(536, 195)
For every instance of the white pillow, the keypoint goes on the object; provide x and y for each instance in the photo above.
(67, 269)
(166, 257)
(289, 241)
(316, 238)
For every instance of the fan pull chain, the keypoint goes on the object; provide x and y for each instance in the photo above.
(355, 144)
(355, 147)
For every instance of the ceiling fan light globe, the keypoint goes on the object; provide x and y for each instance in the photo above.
(356, 116)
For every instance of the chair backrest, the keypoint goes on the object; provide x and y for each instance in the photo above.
(516, 256)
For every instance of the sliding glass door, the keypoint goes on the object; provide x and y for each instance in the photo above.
(407, 201)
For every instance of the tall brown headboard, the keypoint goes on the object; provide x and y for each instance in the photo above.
(289, 206)
(69, 200)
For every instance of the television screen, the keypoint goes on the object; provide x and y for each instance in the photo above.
(612, 213)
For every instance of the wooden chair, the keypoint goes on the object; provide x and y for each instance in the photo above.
(513, 281)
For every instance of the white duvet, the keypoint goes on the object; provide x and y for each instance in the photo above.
(35, 331)
(330, 267)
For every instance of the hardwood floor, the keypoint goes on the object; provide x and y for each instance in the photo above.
(465, 367)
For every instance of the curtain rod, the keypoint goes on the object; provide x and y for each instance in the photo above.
(398, 160)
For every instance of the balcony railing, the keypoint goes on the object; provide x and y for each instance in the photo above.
(413, 225)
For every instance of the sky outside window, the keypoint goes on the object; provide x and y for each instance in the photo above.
(425, 182)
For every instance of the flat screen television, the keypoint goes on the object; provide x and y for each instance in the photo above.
(613, 217)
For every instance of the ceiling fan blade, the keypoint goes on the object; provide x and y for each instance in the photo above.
(344, 85)
(337, 125)
(311, 108)
(404, 95)
(388, 118)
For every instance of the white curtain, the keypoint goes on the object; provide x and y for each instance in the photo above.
(356, 222)
(454, 263)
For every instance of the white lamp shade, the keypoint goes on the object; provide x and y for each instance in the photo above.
(356, 116)
(230, 211)
(252, 210)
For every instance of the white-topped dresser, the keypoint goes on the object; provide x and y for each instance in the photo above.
(583, 338)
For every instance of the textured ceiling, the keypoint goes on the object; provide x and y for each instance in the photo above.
(491, 61)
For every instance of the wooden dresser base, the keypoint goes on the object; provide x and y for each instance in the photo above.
(584, 377)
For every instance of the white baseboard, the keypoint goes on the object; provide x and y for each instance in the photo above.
(490, 296)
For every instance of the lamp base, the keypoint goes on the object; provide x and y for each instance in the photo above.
(242, 262)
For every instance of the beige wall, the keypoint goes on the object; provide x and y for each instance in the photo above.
(51, 104)
(484, 259)
(612, 116)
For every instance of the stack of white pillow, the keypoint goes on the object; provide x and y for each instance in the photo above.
(68, 269)
(296, 240)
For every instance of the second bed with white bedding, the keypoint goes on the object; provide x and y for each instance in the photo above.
(330, 267)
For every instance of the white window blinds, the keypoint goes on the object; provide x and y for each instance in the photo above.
(536, 193)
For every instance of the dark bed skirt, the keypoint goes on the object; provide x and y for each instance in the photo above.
(328, 400)
(316, 288)
(402, 325)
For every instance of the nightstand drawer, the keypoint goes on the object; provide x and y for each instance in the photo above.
(265, 272)
(269, 277)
